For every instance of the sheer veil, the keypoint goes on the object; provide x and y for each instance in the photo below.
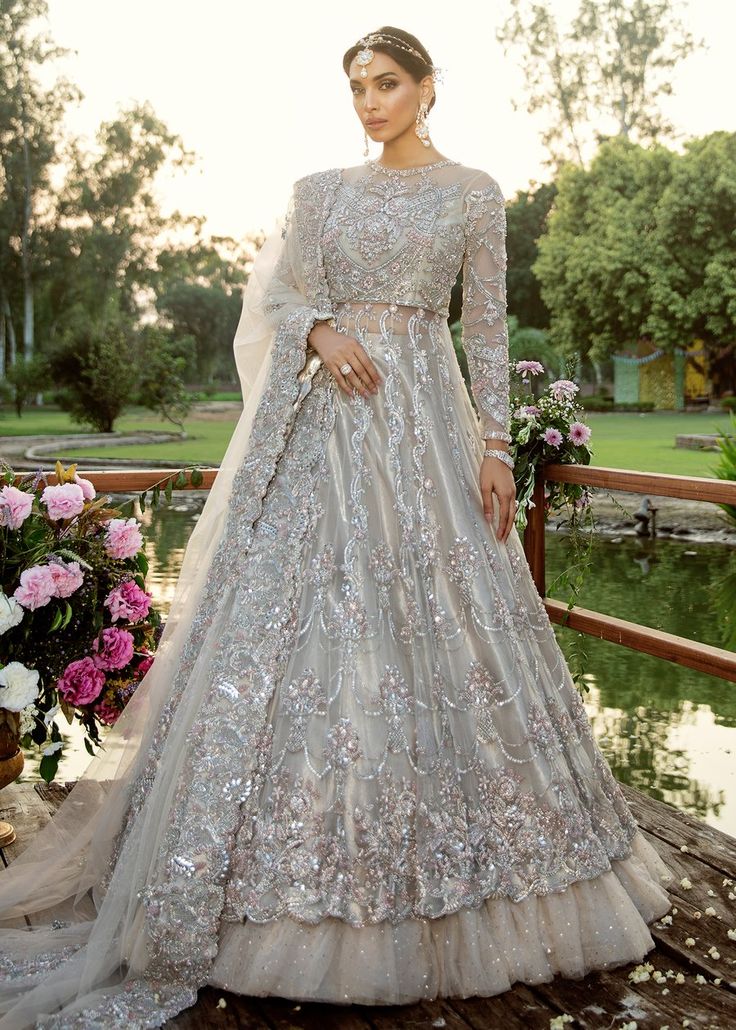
(124, 885)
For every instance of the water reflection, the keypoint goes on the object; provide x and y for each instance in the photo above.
(665, 729)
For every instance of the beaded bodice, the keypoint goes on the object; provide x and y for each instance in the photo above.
(401, 236)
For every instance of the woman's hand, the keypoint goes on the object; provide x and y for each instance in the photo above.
(497, 478)
(336, 349)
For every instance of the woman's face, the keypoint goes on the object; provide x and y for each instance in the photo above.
(388, 97)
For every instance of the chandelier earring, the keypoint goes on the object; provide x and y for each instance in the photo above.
(421, 128)
(365, 152)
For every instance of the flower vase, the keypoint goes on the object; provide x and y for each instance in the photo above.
(11, 762)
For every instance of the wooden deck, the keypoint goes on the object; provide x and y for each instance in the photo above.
(601, 999)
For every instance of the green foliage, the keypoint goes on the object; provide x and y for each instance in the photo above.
(726, 467)
(165, 359)
(526, 218)
(640, 246)
(208, 315)
(27, 377)
(93, 363)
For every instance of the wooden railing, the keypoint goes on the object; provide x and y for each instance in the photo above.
(715, 661)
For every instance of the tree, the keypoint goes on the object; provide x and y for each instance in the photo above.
(605, 76)
(30, 135)
(526, 217)
(94, 364)
(161, 386)
(598, 257)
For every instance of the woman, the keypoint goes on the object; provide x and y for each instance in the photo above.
(358, 770)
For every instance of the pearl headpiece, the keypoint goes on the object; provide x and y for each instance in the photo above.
(365, 55)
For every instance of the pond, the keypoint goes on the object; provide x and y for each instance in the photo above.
(665, 729)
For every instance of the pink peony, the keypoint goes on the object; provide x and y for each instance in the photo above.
(117, 648)
(107, 712)
(579, 433)
(15, 507)
(67, 577)
(36, 588)
(87, 486)
(123, 538)
(63, 501)
(81, 682)
(563, 389)
(553, 437)
(128, 601)
(529, 366)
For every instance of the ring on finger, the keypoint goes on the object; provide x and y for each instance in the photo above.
(347, 367)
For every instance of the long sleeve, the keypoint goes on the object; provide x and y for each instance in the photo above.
(484, 329)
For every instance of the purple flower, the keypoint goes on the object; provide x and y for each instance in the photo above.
(529, 366)
(579, 433)
(106, 712)
(15, 506)
(553, 437)
(563, 389)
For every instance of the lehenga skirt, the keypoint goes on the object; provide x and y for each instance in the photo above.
(429, 813)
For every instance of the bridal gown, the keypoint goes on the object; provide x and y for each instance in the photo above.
(385, 787)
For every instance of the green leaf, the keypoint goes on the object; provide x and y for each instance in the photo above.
(197, 477)
(90, 750)
(181, 479)
(56, 621)
(142, 562)
(67, 615)
(142, 500)
(49, 765)
(155, 495)
(168, 489)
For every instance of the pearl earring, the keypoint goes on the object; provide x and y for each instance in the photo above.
(421, 128)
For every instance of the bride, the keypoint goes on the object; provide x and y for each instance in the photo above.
(358, 769)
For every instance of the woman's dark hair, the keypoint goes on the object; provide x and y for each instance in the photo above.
(417, 68)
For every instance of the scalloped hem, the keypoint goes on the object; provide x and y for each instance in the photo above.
(592, 924)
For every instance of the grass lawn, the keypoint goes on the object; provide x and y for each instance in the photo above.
(644, 442)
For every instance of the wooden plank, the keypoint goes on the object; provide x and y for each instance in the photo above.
(131, 480)
(715, 661)
(667, 823)
(659, 484)
(519, 1007)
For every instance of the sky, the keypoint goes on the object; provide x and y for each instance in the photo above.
(257, 90)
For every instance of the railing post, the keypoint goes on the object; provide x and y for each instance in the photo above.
(534, 534)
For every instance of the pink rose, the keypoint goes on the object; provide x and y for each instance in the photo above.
(87, 486)
(63, 501)
(15, 506)
(107, 712)
(81, 682)
(128, 601)
(117, 648)
(123, 538)
(36, 588)
(67, 577)
(579, 433)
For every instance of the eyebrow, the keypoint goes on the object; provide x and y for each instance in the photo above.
(357, 82)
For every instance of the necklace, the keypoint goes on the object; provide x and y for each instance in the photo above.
(409, 171)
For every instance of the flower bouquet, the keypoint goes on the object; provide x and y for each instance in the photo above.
(547, 429)
(77, 628)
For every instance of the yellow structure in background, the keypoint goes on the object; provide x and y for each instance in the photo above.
(668, 381)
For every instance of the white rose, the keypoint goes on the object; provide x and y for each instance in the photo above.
(18, 686)
(11, 612)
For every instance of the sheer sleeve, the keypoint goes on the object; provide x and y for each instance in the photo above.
(484, 329)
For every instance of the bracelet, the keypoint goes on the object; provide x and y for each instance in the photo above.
(492, 452)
